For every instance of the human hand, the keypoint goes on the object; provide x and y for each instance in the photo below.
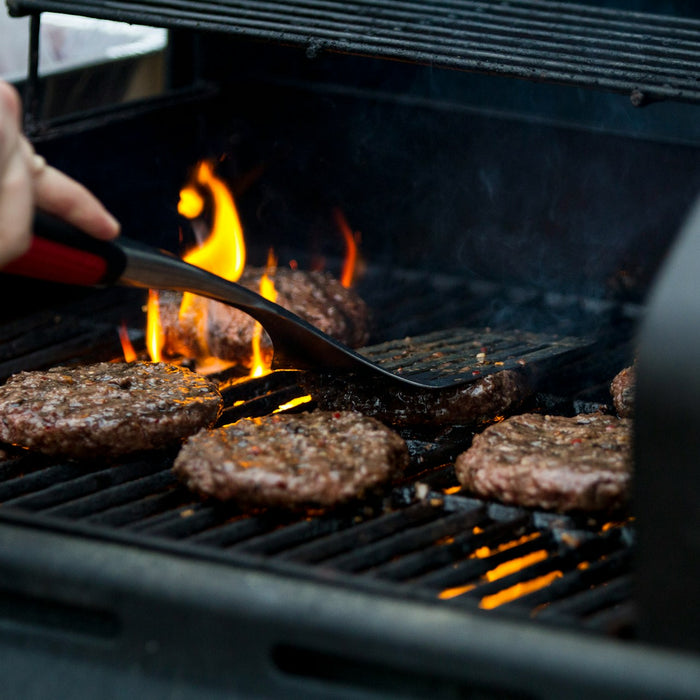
(27, 181)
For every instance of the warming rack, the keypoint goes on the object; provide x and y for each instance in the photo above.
(646, 56)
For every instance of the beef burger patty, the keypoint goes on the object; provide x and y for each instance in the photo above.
(317, 297)
(480, 401)
(622, 390)
(552, 462)
(293, 460)
(105, 409)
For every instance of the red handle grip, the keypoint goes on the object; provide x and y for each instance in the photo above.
(61, 253)
(54, 262)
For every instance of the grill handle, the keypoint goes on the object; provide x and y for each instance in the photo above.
(60, 253)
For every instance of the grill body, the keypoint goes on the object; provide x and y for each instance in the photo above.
(545, 204)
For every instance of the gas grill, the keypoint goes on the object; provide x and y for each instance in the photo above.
(517, 170)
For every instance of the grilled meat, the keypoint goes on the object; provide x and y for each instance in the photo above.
(315, 296)
(622, 390)
(293, 460)
(553, 462)
(484, 399)
(105, 409)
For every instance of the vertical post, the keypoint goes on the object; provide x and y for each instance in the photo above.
(32, 97)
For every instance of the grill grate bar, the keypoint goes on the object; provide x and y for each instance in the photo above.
(618, 620)
(574, 580)
(30, 480)
(94, 503)
(575, 44)
(87, 483)
(419, 565)
(130, 513)
(462, 572)
(588, 602)
(182, 522)
(406, 541)
(248, 528)
(323, 549)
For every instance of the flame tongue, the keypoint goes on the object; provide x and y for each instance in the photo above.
(267, 290)
(154, 331)
(350, 263)
(222, 253)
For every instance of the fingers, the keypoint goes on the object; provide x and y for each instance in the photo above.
(27, 181)
(60, 195)
(16, 187)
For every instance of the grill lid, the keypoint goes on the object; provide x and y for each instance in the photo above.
(647, 56)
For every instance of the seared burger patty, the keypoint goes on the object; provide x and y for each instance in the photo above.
(317, 297)
(622, 390)
(551, 462)
(294, 460)
(105, 409)
(480, 401)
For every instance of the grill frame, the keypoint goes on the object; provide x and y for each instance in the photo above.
(157, 624)
(138, 602)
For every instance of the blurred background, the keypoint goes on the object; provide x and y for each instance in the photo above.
(83, 62)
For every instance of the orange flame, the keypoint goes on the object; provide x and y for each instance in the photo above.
(222, 253)
(127, 347)
(154, 330)
(298, 401)
(267, 290)
(350, 263)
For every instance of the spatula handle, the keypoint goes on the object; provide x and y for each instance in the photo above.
(60, 252)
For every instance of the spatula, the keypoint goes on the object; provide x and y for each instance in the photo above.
(61, 253)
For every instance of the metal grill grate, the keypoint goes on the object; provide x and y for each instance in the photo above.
(421, 539)
(417, 542)
(644, 55)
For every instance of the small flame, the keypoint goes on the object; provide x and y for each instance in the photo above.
(154, 330)
(191, 203)
(350, 263)
(267, 290)
(127, 347)
(294, 402)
